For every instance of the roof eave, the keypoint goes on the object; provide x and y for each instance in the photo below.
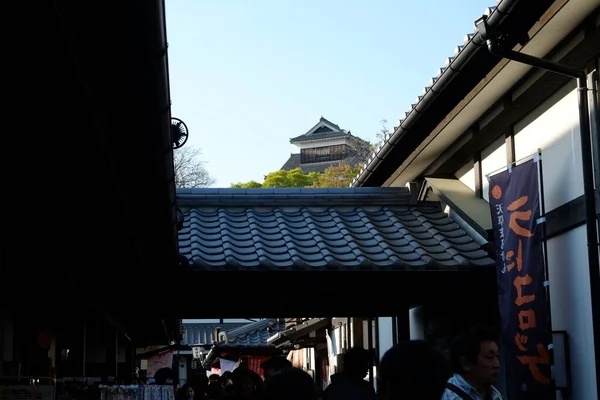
(445, 81)
(301, 141)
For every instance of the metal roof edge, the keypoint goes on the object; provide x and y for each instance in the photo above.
(453, 66)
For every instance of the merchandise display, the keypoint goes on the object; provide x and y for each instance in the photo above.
(137, 392)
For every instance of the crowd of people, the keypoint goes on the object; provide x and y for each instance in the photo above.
(410, 370)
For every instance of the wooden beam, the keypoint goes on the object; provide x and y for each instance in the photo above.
(568, 216)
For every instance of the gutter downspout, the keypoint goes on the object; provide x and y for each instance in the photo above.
(167, 146)
(436, 86)
(495, 47)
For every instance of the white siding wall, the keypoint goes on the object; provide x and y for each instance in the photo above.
(571, 306)
(556, 132)
(493, 158)
(554, 128)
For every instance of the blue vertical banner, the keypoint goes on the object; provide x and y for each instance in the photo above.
(526, 332)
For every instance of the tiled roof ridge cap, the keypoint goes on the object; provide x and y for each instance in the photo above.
(282, 197)
(349, 191)
(250, 328)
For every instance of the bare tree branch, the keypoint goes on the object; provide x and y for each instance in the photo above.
(189, 169)
(383, 130)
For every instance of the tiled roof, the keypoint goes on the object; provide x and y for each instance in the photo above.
(399, 130)
(320, 136)
(325, 130)
(320, 229)
(198, 333)
(247, 339)
(320, 167)
(254, 334)
(300, 330)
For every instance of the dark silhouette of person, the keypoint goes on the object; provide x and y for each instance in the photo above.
(412, 370)
(290, 384)
(275, 365)
(350, 383)
(199, 383)
(164, 376)
(247, 385)
(186, 392)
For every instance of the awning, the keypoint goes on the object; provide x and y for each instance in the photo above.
(292, 335)
(250, 339)
(474, 210)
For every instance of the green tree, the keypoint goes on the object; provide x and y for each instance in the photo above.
(294, 178)
(337, 176)
(247, 185)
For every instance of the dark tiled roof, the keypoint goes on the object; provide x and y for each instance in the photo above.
(327, 130)
(198, 333)
(294, 162)
(253, 334)
(299, 330)
(248, 339)
(320, 136)
(320, 229)
(336, 126)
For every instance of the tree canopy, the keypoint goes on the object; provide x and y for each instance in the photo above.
(336, 176)
(339, 175)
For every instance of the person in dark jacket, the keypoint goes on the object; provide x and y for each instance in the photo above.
(350, 384)
(275, 365)
(290, 384)
(412, 370)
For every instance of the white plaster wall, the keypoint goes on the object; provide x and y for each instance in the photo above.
(556, 132)
(554, 128)
(467, 175)
(571, 307)
(385, 339)
(323, 143)
(493, 159)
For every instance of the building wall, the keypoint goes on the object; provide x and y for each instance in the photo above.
(385, 339)
(322, 143)
(553, 127)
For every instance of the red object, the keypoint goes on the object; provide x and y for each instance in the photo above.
(254, 364)
(45, 338)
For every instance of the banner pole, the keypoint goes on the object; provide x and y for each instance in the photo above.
(545, 251)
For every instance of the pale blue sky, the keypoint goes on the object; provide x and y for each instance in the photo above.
(247, 75)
